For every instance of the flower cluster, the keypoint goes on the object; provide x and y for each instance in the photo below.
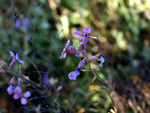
(15, 87)
(17, 93)
(80, 49)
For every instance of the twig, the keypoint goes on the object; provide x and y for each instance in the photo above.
(51, 51)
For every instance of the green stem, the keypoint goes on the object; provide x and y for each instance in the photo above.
(101, 84)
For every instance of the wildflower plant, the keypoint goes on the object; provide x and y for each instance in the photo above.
(15, 83)
(80, 50)
(45, 86)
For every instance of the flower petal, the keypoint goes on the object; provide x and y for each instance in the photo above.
(78, 33)
(23, 101)
(16, 96)
(27, 94)
(93, 37)
(63, 55)
(20, 61)
(19, 81)
(12, 62)
(17, 23)
(77, 54)
(81, 46)
(85, 40)
(95, 57)
(102, 60)
(12, 54)
(26, 22)
(81, 64)
(73, 75)
(84, 54)
(68, 50)
(18, 89)
(72, 48)
(10, 89)
(12, 80)
(87, 30)
(67, 45)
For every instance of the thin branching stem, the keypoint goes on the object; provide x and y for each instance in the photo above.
(102, 85)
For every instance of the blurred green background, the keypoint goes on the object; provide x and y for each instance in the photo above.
(123, 29)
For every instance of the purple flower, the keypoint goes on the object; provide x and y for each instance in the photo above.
(100, 58)
(26, 95)
(17, 23)
(23, 97)
(85, 36)
(12, 80)
(20, 23)
(47, 80)
(68, 49)
(26, 22)
(73, 75)
(19, 81)
(18, 94)
(81, 50)
(15, 58)
(64, 53)
(10, 89)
